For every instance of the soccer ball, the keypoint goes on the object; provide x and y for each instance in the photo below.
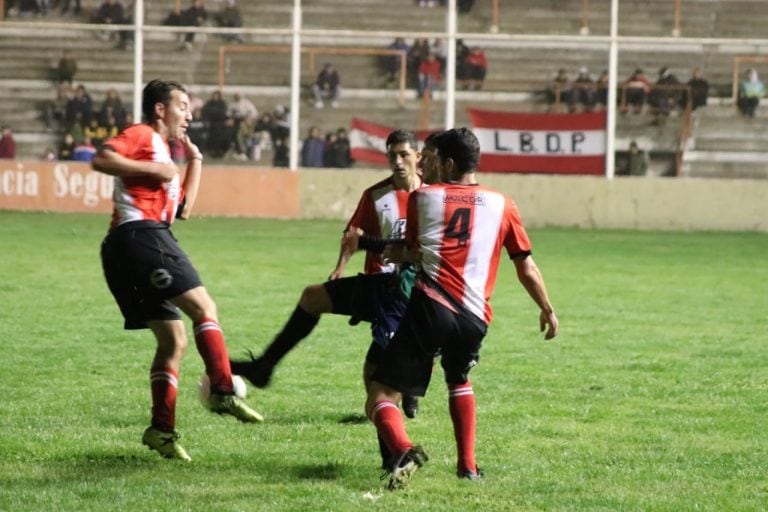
(204, 389)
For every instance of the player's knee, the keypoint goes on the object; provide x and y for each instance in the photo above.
(315, 300)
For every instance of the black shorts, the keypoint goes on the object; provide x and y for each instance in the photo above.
(356, 296)
(145, 267)
(427, 330)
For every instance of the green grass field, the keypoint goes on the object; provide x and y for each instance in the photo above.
(653, 397)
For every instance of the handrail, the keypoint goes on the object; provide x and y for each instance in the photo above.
(313, 52)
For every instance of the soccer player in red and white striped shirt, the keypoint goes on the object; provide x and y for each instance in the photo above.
(149, 275)
(458, 229)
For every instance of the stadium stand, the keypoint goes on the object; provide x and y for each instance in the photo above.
(517, 75)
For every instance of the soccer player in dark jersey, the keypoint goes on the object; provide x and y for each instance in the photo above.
(147, 272)
(379, 295)
(457, 229)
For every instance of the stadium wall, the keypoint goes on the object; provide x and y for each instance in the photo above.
(586, 202)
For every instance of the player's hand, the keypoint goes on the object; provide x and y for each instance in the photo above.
(336, 274)
(190, 148)
(548, 322)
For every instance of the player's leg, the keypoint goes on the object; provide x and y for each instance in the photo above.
(197, 304)
(387, 458)
(330, 297)
(460, 355)
(164, 373)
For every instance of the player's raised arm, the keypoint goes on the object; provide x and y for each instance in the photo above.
(530, 277)
(194, 171)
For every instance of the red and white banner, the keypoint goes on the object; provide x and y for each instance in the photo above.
(511, 142)
(367, 142)
(540, 143)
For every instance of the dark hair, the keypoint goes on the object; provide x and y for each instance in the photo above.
(460, 145)
(430, 140)
(402, 136)
(157, 91)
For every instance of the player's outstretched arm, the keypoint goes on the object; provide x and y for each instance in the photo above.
(113, 163)
(530, 277)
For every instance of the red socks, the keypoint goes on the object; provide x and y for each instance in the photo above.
(461, 403)
(389, 423)
(163, 382)
(210, 344)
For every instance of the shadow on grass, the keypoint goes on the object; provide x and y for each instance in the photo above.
(329, 471)
(353, 419)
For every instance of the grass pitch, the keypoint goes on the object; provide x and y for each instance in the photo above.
(653, 397)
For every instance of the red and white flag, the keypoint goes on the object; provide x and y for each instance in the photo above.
(511, 142)
(540, 143)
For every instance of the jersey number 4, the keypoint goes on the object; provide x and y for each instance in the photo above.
(458, 226)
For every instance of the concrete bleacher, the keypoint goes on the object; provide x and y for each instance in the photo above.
(516, 73)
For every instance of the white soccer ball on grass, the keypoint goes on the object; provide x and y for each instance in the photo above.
(204, 389)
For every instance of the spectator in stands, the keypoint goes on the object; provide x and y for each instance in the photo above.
(417, 54)
(751, 90)
(699, 88)
(198, 129)
(77, 129)
(281, 123)
(65, 4)
(638, 160)
(462, 51)
(112, 106)
(559, 93)
(280, 158)
(476, 66)
(601, 85)
(246, 139)
(95, 132)
(438, 49)
(584, 91)
(66, 68)
(175, 18)
(313, 149)
(7, 144)
(112, 12)
(391, 63)
(84, 151)
(242, 108)
(195, 101)
(43, 6)
(665, 96)
(636, 89)
(327, 86)
(464, 6)
(229, 16)
(222, 139)
(82, 104)
(215, 115)
(67, 148)
(193, 16)
(338, 151)
(430, 74)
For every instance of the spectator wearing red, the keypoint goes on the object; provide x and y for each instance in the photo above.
(7, 144)
(636, 91)
(476, 66)
(430, 73)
